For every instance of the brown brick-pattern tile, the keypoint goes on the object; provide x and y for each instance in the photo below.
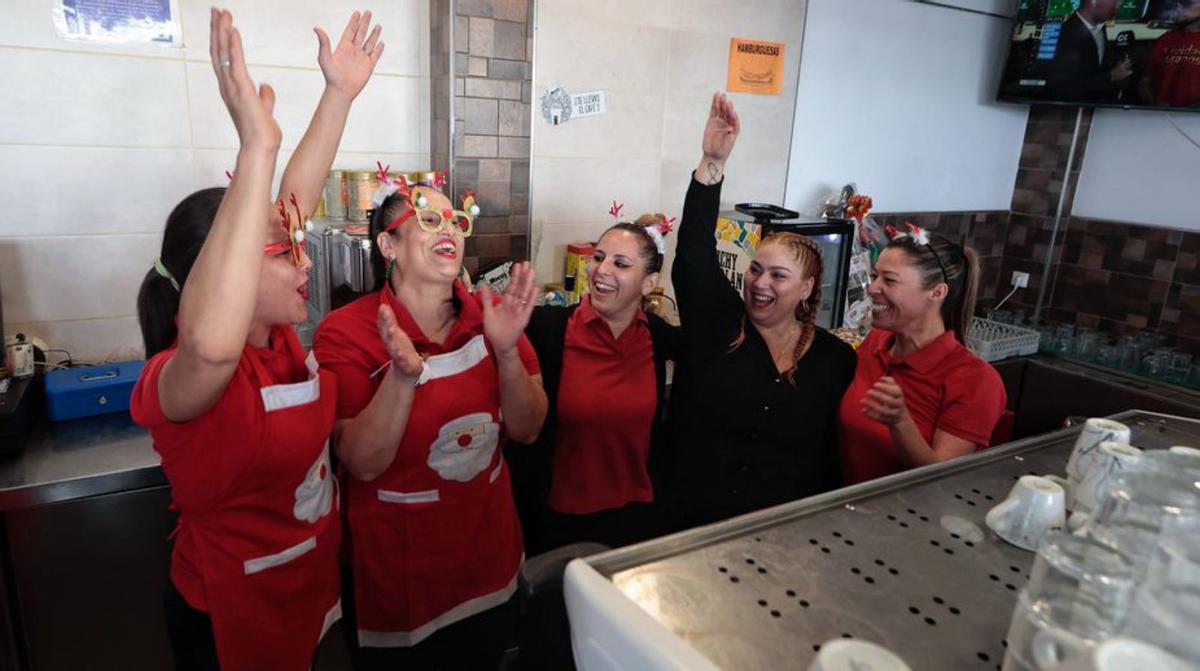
(1181, 313)
(1187, 264)
(1133, 250)
(1135, 300)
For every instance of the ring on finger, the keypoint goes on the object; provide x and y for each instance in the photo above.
(224, 64)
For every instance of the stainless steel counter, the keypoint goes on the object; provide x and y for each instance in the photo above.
(905, 561)
(78, 458)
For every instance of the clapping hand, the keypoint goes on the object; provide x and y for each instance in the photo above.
(504, 322)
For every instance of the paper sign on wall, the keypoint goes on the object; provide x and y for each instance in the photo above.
(588, 104)
(118, 21)
(755, 66)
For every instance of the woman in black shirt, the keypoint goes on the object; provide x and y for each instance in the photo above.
(755, 394)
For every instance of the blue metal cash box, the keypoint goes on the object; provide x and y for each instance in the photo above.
(90, 390)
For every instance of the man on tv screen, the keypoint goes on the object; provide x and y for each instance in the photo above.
(1083, 68)
(1172, 71)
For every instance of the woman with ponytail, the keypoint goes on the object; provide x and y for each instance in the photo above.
(754, 399)
(919, 396)
(604, 367)
(239, 415)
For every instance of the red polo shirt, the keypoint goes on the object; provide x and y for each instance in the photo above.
(347, 343)
(202, 456)
(606, 403)
(945, 387)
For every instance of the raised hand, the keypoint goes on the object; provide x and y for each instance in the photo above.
(348, 67)
(721, 131)
(405, 360)
(251, 109)
(504, 322)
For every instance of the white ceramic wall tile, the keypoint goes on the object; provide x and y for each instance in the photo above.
(766, 126)
(82, 277)
(582, 190)
(77, 98)
(387, 117)
(632, 128)
(424, 91)
(549, 247)
(51, 190)
(209, 166)
(619, 13)
(28, 23)
(774, 20)
(296, 95)
(98, 340)
(280, 32)
(699, 62)
(581, 56)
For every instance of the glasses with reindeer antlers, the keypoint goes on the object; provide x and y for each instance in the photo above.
(294, 228)
(461, 221)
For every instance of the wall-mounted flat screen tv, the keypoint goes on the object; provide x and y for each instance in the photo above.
(1105, 53)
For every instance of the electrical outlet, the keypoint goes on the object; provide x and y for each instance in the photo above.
(1020, 279)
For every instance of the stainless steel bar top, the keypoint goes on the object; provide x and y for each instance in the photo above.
(84, 457)
(905, 561)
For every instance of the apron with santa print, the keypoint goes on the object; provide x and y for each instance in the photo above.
(435, 538)
(269, 556)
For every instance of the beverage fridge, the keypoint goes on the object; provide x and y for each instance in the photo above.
(740, 230)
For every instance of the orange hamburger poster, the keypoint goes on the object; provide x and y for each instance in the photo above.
(755, 66)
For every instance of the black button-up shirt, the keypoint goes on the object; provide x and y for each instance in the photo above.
(741, 436)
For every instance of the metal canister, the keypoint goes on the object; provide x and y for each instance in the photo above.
(336, 197)
(362, 188)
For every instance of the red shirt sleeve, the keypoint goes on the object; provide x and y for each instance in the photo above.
(335, 352)
(143, 403)
(974, 402)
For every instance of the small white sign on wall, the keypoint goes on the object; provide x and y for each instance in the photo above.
(591, 103)
(559, 106)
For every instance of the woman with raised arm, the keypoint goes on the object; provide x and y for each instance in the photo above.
(754, 399)
(239, 416)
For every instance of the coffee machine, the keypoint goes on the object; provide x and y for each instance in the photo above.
(341, 269)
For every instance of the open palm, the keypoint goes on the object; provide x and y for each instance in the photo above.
(348, 66)
(721, 130)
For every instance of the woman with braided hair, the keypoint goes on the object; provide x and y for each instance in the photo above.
(754, 399)
(919, 396)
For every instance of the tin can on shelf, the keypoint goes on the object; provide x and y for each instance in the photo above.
(335, 195)
(422, 178)
(575, 276)
(362, 184)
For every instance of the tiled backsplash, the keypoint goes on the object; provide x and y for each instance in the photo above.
(491, 64)
(1115, 276)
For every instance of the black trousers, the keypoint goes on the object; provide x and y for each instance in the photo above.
(477, 643)
(615, 527)
(190, 633)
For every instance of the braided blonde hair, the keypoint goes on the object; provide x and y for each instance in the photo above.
(808, 253)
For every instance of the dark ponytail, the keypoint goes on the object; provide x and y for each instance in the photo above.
(944, 261)
(158, 299)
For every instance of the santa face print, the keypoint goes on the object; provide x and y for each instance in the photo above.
(314, 496)
(464, 447)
